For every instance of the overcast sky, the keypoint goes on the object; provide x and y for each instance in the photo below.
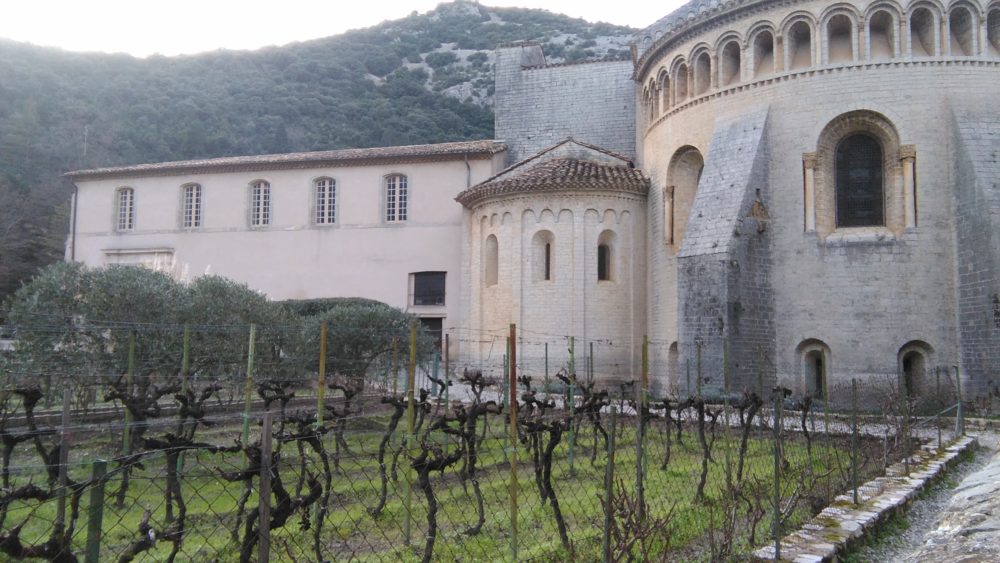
(171, 27)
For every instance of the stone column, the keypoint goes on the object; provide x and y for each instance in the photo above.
(908, 157)
(668, 215)
(809, 190)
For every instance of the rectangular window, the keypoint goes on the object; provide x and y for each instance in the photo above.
(260, 204)
(192, 206)
(428, 288)
(126, 210)
(326, 201)
(396, 198)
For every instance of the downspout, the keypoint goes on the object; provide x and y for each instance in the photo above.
(468, 172)
(72, 226)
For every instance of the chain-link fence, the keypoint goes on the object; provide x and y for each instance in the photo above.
(161, 447)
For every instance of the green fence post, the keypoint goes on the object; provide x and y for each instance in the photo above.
(129, 382)
(960, 414)
(641, 403)
(248, 384)
(95, 512)
(548, 394)
(185, 373)
(321, 380)
(609, 482)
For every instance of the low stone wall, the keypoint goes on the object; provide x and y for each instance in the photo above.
(842, 524)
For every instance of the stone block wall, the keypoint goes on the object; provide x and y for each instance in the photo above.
(537, 106)
(977, 220)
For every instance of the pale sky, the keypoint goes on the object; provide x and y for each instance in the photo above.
(171, 27)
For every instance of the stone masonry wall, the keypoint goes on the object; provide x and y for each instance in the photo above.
(977, 219)
(723, 281)
(538, 106)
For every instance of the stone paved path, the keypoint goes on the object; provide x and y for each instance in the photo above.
(968, 528)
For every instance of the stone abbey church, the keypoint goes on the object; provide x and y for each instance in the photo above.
(804, 188)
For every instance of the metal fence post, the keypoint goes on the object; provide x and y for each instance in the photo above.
(609, 482)
(64, 437)
(960, 414)
(264, 524)
(95, 512)
(513, 441)
(321, 381)
(410, 437)
(776, 525)
(640, 433)
(854, 438)
(248, 388)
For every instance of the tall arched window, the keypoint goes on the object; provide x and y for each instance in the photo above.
(542, 260)
(125, 209)
(923, 33)
(729, 63)
(325, 203)
(840, 39)
(191, 217)
(491, 260)
(763, 54)
(961, 29)
(605, 256)
(799, 41)
(881, 35)
(993, 32)
(860, 197)
(260, 203)
(702, 73)
(396, 198)
(815, 357)
(680, 83)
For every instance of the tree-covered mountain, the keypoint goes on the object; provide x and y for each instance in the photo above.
(422, 79)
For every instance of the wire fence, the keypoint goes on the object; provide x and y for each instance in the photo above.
(137, 454)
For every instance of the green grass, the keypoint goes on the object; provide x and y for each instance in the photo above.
(351, 533)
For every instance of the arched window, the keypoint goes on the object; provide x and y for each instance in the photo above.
(491, 260)
(763, 54)
(396, 198)
(125, 209)
(325, 202)
(840, 39)
(881, 35)
(603, 262)
(814, 356)
(860, 198)
(729, 63)
(605, 256)
(191, 216)
(260, 203)
(680, 83)
(702, 73)
(542, 244)
(923, 33)
(799, 45)
(993, 32)
(961, 27)
(683, 176)
(914, 360)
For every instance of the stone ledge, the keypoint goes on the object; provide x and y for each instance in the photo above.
(841, 525)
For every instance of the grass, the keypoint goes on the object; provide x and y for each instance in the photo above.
(350, 533)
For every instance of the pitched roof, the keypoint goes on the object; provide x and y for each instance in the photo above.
(345, 157)
(607, 171)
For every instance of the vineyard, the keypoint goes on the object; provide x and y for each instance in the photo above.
(140, 455)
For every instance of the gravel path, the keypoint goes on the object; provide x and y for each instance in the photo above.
(958, 520)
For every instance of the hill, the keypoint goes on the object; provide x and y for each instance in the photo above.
(421, 79)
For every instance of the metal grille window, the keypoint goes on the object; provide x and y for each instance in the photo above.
(396, 198)
(126, 210)
(326, 201)
(428, 288)
(860, 199)
(192, 206)
(260, 204)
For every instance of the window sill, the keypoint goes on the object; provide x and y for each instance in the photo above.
(858, 236)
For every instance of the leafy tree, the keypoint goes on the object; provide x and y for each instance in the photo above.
(359, 334)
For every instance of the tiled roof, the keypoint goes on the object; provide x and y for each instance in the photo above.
(560, 174)
(345, 157)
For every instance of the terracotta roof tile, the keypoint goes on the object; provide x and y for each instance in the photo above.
(560, 174)
(345, 157)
